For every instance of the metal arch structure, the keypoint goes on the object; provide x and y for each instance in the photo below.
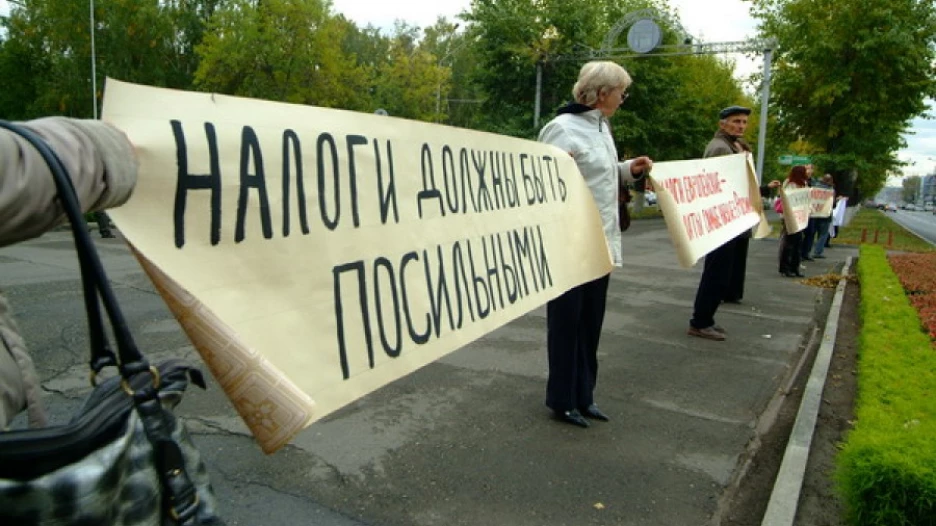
(629, 19)
(693, 48)
(608, 51)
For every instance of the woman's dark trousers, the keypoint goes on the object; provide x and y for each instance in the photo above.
(790, 252)
(574, 327)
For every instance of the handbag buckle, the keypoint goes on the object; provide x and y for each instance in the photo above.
(186, 513)
(154, 372)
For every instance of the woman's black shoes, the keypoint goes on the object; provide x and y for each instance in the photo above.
(592, 411)
(572, 417)
(577, 416)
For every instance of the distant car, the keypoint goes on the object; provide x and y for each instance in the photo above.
(650, 198)
(890, 207)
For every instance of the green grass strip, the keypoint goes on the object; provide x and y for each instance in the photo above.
(886, 470)
(871, 224)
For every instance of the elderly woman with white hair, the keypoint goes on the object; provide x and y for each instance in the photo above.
(574, 319)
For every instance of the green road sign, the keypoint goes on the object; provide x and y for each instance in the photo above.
(794, 159)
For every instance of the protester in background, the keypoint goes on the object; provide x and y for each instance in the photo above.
(823, 225)
(725, 267)
(102, 165)
(838, 216)
(574, 319)
(809, 233)
(104, 225)
(791, 243)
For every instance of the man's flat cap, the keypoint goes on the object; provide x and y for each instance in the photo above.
(733, 110)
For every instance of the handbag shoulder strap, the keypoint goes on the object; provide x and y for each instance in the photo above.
(95, 283)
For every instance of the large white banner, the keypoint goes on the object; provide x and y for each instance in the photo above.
(708, 202)
(314, 255)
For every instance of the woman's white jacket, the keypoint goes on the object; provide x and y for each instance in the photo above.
(584, 133)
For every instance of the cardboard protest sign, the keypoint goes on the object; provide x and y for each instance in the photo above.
(708, 202)
(796, 208)
(315, 255)
(821, 201)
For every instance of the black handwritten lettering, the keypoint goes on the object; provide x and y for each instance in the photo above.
(250, 149)
(186, 181)
(358, 267)
(391, 350)
(418, 338)
(291, 142)
(325, 140)
(388, 197)
(354, 140)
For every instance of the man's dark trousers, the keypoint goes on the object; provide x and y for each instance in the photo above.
(574, 326)
(809, 237)
(716, 278)
(735, 289)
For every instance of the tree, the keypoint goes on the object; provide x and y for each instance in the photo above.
(283, 50)
(849, 77)
(911, 188)
(47, 53)
(410, 81)
(19, 70)
(672, 109)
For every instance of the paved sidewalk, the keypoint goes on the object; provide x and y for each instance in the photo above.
(467, 440)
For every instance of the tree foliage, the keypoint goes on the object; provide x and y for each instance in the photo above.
(284, 50)
(849, 77)
(911, 188)
(479, 72)
(47, 50)
(672, 109)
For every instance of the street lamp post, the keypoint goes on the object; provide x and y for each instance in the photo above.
(93, 66)
(439, 89)
(449, 53)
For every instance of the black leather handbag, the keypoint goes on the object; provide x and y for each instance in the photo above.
(125, 457)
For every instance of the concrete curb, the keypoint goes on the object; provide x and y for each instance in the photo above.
(781, 510)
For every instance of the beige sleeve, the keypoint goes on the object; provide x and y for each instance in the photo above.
(98, 157)
(19, 383)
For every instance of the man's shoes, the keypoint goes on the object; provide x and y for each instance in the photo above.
(592, 411)
(709, 333)
(818, 256)
(718, 328)
(572, 417)
(799, 274)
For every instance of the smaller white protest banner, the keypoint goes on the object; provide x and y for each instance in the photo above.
(708, 202)
(820, 202)
(796, 207)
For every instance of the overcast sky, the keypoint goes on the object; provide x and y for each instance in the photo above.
(708, 21)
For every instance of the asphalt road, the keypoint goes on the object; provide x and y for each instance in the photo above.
(921, 223)
(467, 440)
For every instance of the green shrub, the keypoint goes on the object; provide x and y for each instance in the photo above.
(886, 471)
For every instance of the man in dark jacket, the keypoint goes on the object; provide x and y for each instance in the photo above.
(723, 274)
